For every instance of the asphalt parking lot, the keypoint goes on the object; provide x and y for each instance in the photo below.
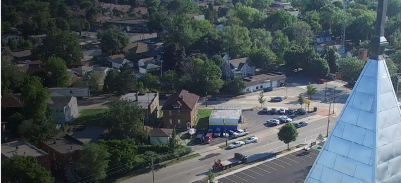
(292, 168)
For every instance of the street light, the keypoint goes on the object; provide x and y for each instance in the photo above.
(328, 119)
(224, 123)
(334, 97)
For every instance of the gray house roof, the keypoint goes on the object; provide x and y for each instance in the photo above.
(121, 61)
(58, 101)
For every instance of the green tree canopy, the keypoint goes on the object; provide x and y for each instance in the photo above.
(288, 133)
(261, 99)
(299, 32)
(150, 81)
(112, 40)
(394, 8)
(395, 39)
(209, 43)
(174, 55)
(250, 17)
(279, 20)
(330, 16)
(93, 160)
(12, 44)
(25, 169)
(123, 153)
(260, 38)
(234, 87)
(261, 4)
(34, 97)
(313, 18)
(38, 130)
(182, 6)
(11, 78)
(62, 44)
(331, 58)
(280, 44)
(264, 59)
(235, 40)
(58, 74)
(350, 69)
(169, 81)
(311, 90)
(301, 99)
(158, 17)
(362, 28)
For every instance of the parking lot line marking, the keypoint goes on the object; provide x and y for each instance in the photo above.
(290, 159)
(255, 172)
(283, 162)
(247, 175)
(240, 178)
(269, 167)
(299, 158)
(276, 164)
(307, 156)
(230, 180)
(262, 169)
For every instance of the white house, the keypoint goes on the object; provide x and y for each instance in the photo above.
(324, 37)
(6, 38)
(160, 135)
(64, 108)
(261, 81)
(142, 62)
(119, 62)
(241, 67)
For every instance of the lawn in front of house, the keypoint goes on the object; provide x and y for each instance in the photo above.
(203, 118)
(90, 117)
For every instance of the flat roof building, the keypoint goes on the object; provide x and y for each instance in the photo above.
(231, 116)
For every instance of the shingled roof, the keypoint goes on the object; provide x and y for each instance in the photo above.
(161, 132)
(10, 102)
(186, 100)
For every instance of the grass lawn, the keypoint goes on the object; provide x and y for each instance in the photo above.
(203, 118)
(90, 117)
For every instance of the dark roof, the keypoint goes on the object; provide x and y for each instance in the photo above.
(58, 101)
(187, 100)
(67, 144)
(262, 78)
(32, 70)
(161, 132)
(10, 102)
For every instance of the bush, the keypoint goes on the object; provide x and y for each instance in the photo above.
(158, 148)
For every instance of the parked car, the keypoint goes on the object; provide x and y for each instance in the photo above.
(273, 122)
(224, 134)
(236, 144)
(251, 140)
(240, 133)
(265, 111)
(210, 132)
(273, 111)
(291, 111)
(296, 125)
(320, 81)
(277, 99)
(301, 111)
(208, 139)
(303, 123)
(268, 89)
(217, 132)
(282, 111)
(285, 119)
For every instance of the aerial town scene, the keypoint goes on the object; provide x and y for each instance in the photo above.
(203, 91)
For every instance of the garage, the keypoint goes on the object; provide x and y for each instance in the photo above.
(274, 84)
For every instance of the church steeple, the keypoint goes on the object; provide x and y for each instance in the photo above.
(379, 42)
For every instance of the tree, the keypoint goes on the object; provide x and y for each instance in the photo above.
(288, 133)
(314, 5)
(307, 102)
(36, 130)
(264, 59)
(27, 44)
(260, 38)
(235, 40)
(280, 44)
(330, 16)
(396, 59)
(211, 14)
(93, 160)
(181, 6)
(158, 17)
(279, 20)
(350, 69)
(169, 81)
(320, 138)
(112, 40)
(218, 60)
(62, 44)
(300, 32)
(317, 67)
(12, 44)
(393, 8)
(261, 5)
(209, 43)
(94, 81)
(396, 39)
(362, 28)
(151, 82)
(248, 16)
(5, 28)
(173, 142)
(331, 57)
(34, 97)
(14, 121)
(125, 121)
(58, 74)
(210, 176)
(11, 79)
(126, 81)
(25, 169)
(313, 18)
(173, 56)
(62, 24)
(234, 87)
(21, 41)
(123, 153)
(311, 90)
(9, 14)
(261, 98)
(110, 84)
(301, 99)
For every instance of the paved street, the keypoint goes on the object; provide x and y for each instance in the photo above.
(292, 168)
(196, 169)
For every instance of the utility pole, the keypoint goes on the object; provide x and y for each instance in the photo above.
(224, 123)
(334, 97)
(328, 121)
(207, 80)
(325, 90)
(153, 170)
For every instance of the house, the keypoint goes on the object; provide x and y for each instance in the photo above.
(9, 106)
(119, 62)
(83, 70)
(6, 54)
(325, 36)
(160, 135)
(102, 70)
(88, 134)
(21, 55)
(148, 101)
(241, 67)
(130, 47)
(64, 108)
(146, 65)
(92, 52)
(6, 38)
(22, 148)
(134, 37)
(73, 76)
(110, 58)
(197, 16)
(258, 82)
(63, 152)
(180, 110)
(37, 38)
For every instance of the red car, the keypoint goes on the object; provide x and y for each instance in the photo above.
(320, 81)
(208, 138)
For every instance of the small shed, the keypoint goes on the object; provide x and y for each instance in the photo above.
(231, 116)
(160, 135)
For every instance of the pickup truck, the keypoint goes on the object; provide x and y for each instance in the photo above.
(223, 165)
(240, 133)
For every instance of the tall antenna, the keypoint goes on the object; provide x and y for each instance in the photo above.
(343, 27)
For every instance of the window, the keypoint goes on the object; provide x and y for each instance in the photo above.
(178, 121)
(171, 121)
(170, 113)
(178, 112)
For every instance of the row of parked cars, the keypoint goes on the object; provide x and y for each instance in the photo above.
(285, 119)
(240, 143)
(206, 136)
(274, 111)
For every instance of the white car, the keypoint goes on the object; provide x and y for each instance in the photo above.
(273, 122)
(251, 140)
(282, 111)
(285, 119)
(236, 144)
(240, 133)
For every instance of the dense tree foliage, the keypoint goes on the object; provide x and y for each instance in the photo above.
(288, 133)
(11, 79)
(112, 41)
(279, 20)
(299, 32)
(236, 40)
(34, 97)
(123, 153)
(264, 59)
(350, 69)
(25, 169)
(38, 130)
(62, 44)
(58, 74)
(93, 160)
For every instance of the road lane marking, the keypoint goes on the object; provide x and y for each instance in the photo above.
(262, 169)
(255, 172)
(277, 164)
(247, 175)
(269, 167)
(240, 178)
(283, 162)
(290, 159)
(230, 180)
